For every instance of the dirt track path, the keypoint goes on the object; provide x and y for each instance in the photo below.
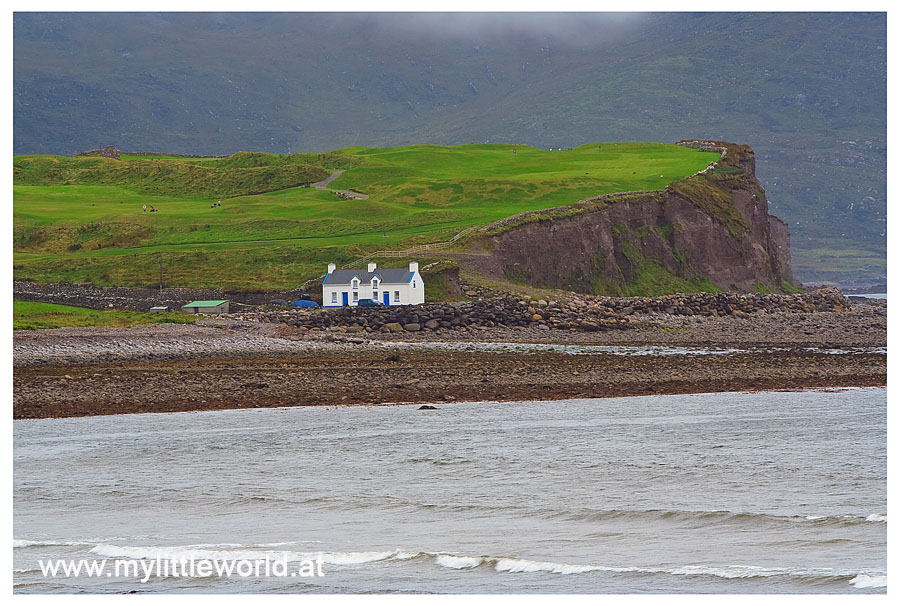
(346, 194)
(324, 183)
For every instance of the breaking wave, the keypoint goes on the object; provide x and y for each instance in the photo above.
(515, 565)
(201, 552)
(867, 579)
(864, 581)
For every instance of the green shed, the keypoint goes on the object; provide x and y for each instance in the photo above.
(206, 307)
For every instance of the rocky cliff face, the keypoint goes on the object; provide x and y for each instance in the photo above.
(711, 231)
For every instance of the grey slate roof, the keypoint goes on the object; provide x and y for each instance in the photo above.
(385, 276)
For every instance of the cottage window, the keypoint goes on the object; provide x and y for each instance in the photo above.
(334, 297)
(414, 283)
(396, 296)
(355, 297)
(374, 284)
(355, 284)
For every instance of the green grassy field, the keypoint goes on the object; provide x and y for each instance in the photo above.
(33, 316)
(80, 219)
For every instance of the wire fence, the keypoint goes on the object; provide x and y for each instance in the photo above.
(413, 251)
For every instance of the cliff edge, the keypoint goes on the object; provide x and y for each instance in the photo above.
(711, 231)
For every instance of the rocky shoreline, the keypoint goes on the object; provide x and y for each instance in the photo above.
(372, 377)
(580, 313)
(241, 362)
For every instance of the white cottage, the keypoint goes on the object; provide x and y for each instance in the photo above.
(347, 287)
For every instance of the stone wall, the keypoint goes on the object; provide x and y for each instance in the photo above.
(136, 299)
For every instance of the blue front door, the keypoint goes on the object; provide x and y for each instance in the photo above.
(346, 297)
(387, 298)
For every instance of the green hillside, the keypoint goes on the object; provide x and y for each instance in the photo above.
(80, 219)
(806, 90)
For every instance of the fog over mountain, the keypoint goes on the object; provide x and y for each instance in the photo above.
(806, 91)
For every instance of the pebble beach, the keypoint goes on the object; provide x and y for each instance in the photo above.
(243, 361)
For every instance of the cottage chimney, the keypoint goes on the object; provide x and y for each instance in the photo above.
(413, 266)
(371, 267)
(331, 267)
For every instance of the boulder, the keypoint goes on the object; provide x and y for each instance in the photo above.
(393, 327)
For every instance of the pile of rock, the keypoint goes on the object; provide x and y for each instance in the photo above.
(350, 194)
(721, 304)
(501, 312)
(107, 152)
(578, 312)
(477, 293)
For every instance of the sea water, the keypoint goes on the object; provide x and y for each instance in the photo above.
(731, 492)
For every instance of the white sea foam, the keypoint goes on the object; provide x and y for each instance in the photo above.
(517, 565)
(452, 561)
(460, 562)
(357, 557)
(510, 564)
(406, 555)
(501, 564)
(874, 517)
(864, 581)
(177, 552)
(746, 572)
(200, 553)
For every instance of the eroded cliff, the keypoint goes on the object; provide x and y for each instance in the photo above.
(711, 231)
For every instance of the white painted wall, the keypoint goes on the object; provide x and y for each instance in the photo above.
(412, 293)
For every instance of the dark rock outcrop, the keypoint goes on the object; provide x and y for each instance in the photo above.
(110, 152)
(107, 152)
(442, 281)
(710, 229)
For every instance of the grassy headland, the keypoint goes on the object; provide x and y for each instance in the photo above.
(80, 219)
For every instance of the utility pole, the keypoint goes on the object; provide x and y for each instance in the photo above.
(160, 273)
